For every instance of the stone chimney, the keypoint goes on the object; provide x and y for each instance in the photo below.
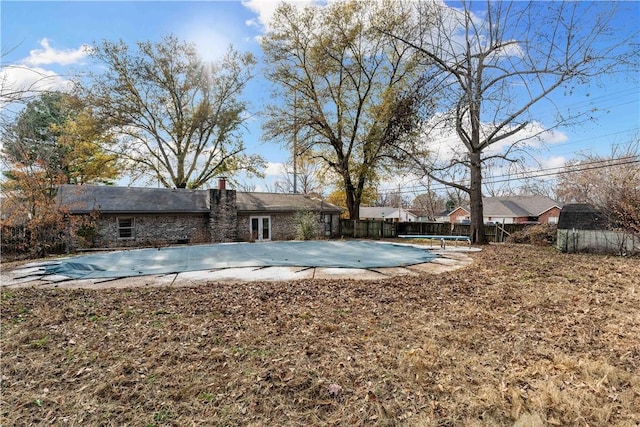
(223, 215)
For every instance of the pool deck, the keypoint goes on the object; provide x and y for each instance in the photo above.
(30, 275)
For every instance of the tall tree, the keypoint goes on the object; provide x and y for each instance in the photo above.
(345, 92)
(497, 62)
(54, 140)
(179, 117)
(87, 143)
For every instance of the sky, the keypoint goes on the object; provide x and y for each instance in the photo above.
(49, 38)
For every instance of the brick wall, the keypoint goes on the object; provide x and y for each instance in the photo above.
(150, 230)
(283, 226)
(551, 213)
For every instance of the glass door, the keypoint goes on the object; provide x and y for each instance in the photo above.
(260, 228)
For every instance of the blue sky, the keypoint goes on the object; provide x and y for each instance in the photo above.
(49, 36)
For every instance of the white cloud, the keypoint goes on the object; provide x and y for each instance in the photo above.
(445, 144)
(49, 55)
(553, 162)
(18, 82)
(275, 169)
(26, 77)
(265, 9)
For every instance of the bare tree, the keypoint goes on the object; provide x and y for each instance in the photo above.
(430, 203)
(307, 177)
(497, 62)
(345, 92)
(179, 118)
(609, 183)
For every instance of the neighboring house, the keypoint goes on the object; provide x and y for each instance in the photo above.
(582, 228)
(443, 216)
(513, 210)
(422, 215)
(105, 216)
(387, 213)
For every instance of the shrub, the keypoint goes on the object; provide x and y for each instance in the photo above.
(305, 225)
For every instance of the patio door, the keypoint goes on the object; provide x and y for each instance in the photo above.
(260, 228)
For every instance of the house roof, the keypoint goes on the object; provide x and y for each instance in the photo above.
(582, 217)
(108, 199)
(282, 202)
(421, 213)
(515, 206)
(531, 205)
(384, 212)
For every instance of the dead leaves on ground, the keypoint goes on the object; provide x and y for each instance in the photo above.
(524, 336)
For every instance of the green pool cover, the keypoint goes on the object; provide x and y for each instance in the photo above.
(177, 259)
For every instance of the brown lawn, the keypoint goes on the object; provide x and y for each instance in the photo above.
(524, 336)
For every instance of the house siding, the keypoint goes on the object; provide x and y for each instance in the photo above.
(458, 215)
(551, 213)
(284, 225)
(199, 216)
(150, 230)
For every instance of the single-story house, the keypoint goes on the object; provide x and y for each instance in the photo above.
(421, 215)
(443, 216)
(386, 213)
(513, 210)
(108, 216)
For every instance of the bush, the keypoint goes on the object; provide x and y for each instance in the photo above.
(305, 225)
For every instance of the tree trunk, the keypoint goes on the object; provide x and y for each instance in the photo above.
(475, 196)
(353, 205)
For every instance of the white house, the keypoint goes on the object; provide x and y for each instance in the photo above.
(386, 213)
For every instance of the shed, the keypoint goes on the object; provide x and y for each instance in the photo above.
(583, 228)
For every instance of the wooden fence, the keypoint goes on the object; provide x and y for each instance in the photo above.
(376, 229)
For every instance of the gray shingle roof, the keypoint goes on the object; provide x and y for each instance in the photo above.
(279, 202)
(582, 216)
(108, 199)
(517, 206)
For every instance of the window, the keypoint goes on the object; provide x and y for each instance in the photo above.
(126, 228)
(260, 228)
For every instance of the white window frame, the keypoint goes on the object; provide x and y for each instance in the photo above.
(131, 228)
(259, 235)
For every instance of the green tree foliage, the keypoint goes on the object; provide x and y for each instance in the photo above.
(87, 143)
(54, 140)
(345, 92)
(179, 118)
(32, 140)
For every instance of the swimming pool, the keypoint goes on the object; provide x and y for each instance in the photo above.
(175, 259)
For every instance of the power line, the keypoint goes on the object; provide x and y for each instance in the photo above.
(539, 173)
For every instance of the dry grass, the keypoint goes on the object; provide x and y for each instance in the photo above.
(525, 336)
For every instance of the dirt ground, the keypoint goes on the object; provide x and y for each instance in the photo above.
(524, 336)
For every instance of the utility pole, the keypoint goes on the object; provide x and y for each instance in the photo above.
(399, 204)
(295, 142)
